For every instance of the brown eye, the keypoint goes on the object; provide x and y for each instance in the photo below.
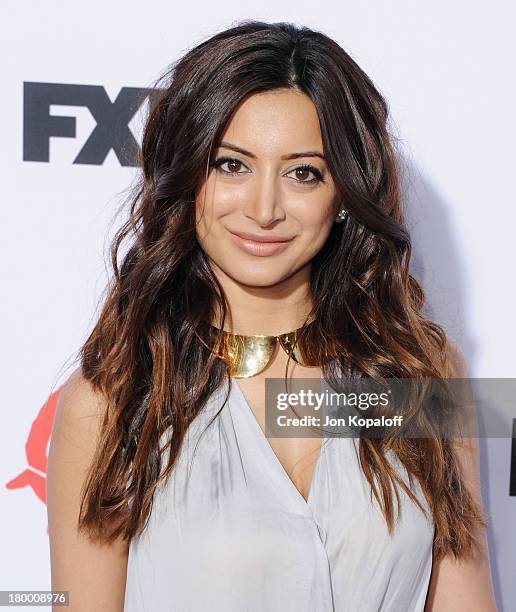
(233, 165)
(302, 174)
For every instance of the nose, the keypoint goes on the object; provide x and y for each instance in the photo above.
(263, 201)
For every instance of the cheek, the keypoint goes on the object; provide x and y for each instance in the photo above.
(214, 201)
(316, 219)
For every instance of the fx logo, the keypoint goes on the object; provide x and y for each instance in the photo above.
(111, 132)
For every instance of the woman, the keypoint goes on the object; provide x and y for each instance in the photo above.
(269, 205)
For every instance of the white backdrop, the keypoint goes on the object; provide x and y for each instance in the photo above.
(446, 70)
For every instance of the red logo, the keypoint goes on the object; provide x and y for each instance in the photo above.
(34, 475)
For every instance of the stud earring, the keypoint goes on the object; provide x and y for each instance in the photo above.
(341, 216)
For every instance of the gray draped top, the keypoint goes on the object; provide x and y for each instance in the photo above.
(230, 532)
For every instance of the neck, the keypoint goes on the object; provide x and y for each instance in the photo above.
(269, 311)
(286, 331)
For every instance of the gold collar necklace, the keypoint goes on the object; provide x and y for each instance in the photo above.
(248, 355)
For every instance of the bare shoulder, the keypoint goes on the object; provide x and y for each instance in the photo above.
(465, 584)
(77, 398)
(457, 359)
(94, 574)
(466, 446)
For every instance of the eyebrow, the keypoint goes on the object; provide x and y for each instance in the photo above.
(228, 145)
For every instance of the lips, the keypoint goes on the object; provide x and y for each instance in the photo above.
(261, 238)
(259, 245)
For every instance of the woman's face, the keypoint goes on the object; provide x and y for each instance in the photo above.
(268, 180)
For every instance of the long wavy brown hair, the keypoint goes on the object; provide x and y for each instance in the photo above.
(144, 354)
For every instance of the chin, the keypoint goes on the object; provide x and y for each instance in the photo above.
(259, 275)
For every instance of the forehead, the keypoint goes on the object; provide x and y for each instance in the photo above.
(279, 121)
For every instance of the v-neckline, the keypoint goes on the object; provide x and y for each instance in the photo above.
(306, 503)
